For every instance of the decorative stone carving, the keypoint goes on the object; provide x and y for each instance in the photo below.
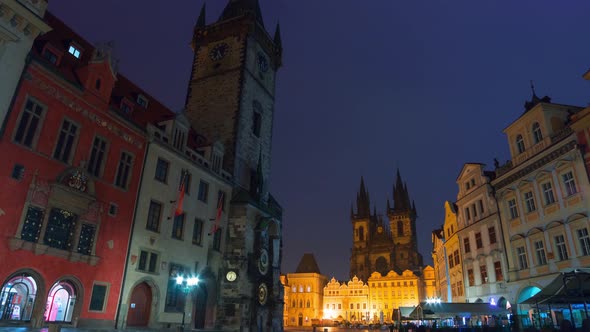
(77, 180)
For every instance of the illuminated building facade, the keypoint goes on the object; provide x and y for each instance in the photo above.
(439, 257)
(479, 235)
(347, 300)
(306, 293)
(541, 197)
(452, 256)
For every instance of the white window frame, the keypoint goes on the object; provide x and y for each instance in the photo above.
(584, 239)
(513, 208)
(547, 188)
(522, 257)
(561, 247)
(529, 200)
(540, 252)
(569, 183)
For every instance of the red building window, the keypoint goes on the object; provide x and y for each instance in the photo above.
(29, 124)
(66, 141)
(97, 156)
(124, 170)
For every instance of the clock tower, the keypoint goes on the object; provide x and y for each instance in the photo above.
(231, 91)
(230, 99)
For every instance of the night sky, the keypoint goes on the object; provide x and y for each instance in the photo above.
(367, 87)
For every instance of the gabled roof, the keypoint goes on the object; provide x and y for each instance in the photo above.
(308, 264)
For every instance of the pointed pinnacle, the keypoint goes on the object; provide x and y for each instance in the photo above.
(201, 22)
(277, 38)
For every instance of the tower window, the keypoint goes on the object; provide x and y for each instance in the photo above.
(400, 228)
(256, 123)
(256, 118)
(520, 144)
(537, 135)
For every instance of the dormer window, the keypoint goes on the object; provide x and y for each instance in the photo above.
(520, 144)
(74, 50)
(142, 101)
(537, 135)
(50, 56)
(126, 106)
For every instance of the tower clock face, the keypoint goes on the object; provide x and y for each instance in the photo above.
(231, 276)
(219, 51)
(262, 62)
(262, 294)
(263, 262)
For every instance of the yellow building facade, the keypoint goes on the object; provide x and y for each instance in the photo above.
(356, 301)
(304, 294)
(453, 254)
(346, 301)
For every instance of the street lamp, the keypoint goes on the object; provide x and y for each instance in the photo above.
(186, 284)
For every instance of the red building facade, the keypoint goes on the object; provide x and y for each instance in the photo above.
(69, 178)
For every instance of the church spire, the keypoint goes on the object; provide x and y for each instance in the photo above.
(201, 21)
(362, 201)
(236, 8)
(400, 197)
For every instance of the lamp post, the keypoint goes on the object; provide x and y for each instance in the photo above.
(186, 284)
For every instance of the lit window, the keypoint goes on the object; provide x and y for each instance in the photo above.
(73, 50)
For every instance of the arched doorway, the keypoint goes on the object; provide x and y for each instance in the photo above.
(300, 322)
(200, 306)
(140, 305)
(17, 298)
(61, 301)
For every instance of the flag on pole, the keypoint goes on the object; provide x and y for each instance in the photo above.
(180, 197)
(220, 201)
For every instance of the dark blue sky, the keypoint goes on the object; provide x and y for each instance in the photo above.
(366, 87)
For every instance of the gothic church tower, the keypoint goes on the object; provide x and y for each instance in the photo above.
(402, 222)
(384, 245)
(230, 99)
